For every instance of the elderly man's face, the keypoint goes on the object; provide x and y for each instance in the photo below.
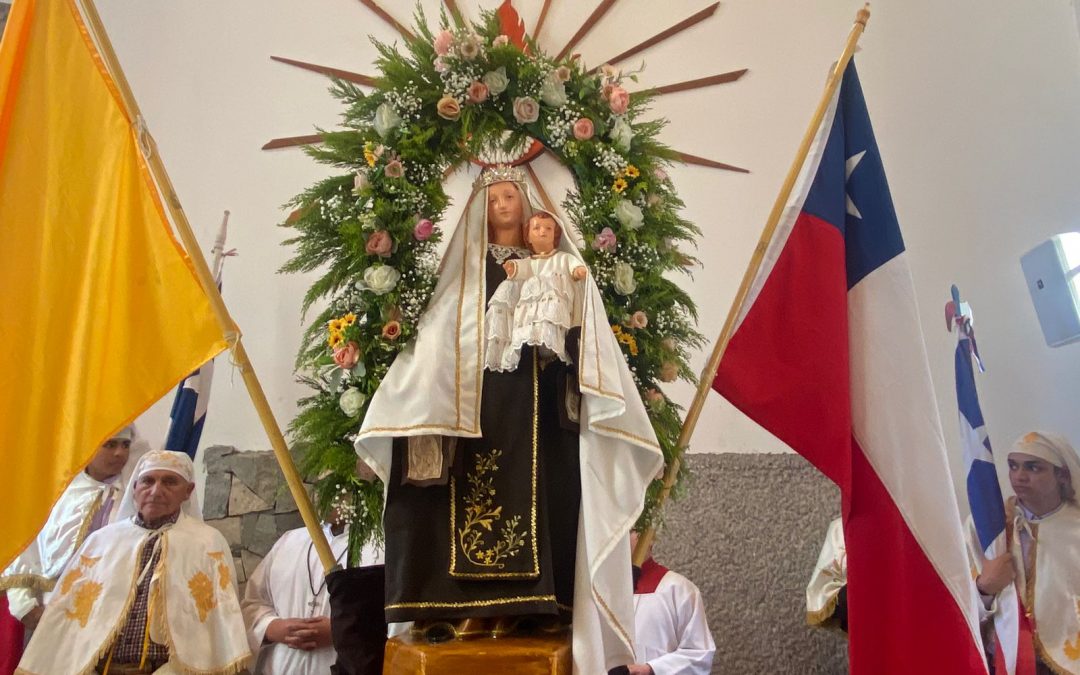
(1036, 484)
(160, 493)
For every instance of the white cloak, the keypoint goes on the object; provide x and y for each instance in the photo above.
(193, 608)
(830, 575)
(434, 387)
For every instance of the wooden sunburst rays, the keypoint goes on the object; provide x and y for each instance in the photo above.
(593, 19)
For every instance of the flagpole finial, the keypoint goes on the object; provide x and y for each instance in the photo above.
(863, 15)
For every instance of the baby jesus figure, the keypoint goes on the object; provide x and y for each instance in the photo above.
(539, 301)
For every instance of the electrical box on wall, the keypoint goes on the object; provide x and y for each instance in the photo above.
(1052, 271)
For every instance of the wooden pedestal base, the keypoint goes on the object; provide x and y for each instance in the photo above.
(529, 655)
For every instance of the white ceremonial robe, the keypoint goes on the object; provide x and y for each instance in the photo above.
(280, 588)
(192, 606)
(830, 575)
(670, 629)
(38, 567)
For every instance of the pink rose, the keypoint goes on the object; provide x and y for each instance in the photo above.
(391, 330)
(639, 319)
(394, 169)
(500, 41)
(563, 73)
(619, 100)
(605, 241)
(659, 174)
(469, 48)
(477, 92)
(526, 110)
(583, 129)
(668, 344)
(669, 372)
(423, 229)
(379, 243)
(443, 42)
(654, 398)
(448, 108)
(605, 91)
(346, 357)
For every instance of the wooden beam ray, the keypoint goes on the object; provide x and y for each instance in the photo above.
(665, 34)
(292, 141)
(687, 158)
(455, 12)
(593, 19)
(385, 16)
(548, 204)
(722, 78)
(540, 21)
(346, 75)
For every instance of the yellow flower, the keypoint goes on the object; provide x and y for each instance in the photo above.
(349, 319)
(616, 328)
(369, 154)
(336, 325)
(632, 171)
(619, 185)
(335, 340)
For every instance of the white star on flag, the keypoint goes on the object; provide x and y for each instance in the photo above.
(849, 168)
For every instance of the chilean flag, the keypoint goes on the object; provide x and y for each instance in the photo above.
(827, 354)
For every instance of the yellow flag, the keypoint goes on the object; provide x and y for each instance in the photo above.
(101, 313)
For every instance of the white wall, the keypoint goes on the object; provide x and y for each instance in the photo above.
(976, 107)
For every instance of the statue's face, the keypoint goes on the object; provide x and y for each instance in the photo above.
(504, 205)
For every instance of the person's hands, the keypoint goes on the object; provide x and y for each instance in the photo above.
(304, 634)
(31, 618)
(640, 669)
(579, 273)
(997, 573)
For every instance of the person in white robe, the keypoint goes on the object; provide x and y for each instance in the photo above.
(89, 503)
(287, 607)
(671, 632)
(1043, 561)
(826, 594)
(155, 592)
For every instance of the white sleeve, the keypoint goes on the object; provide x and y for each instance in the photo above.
(694, 655)
(258, 602)
(21, 601)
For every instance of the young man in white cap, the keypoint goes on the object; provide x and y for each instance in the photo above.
(1043, 529)
(155, 592)
(89, 503)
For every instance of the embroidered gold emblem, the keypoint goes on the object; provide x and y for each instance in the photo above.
(835, 570)
(89, 561)
(481, 514)
(86, 594)
(202, 592)
(69, 580)
(1072, 647)
(224, 575)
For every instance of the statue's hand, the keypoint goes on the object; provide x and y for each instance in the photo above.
(511, 268)
(579, 273)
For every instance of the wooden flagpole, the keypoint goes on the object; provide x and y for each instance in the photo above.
(206, 279)
(671, 472)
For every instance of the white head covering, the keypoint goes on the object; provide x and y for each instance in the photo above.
(1052, 448)
(166, 460)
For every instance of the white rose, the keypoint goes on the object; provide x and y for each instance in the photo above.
(496, 81)
(351, 401)
(622, 134)
(386, 118)
(381, 280)
(629, 214)
(624, 279)
(553, 91)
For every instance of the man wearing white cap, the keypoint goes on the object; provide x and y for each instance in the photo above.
(89, 503)
(1044, 538)
(155, 592)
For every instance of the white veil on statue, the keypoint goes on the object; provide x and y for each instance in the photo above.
(434, 387)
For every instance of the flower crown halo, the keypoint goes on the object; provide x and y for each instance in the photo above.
(500, 173)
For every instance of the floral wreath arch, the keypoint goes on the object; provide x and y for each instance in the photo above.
(475, 90)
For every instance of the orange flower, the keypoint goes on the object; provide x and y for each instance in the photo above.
(391, 330)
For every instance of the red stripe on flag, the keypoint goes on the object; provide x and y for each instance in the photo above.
(901, 616)
(787, 364)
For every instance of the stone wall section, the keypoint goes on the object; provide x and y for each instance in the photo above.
(246, 499)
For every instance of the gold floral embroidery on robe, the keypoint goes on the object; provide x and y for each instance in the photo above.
(224, 575)
(1072, 647)
(481, 514)
(69, 580)
(86, 594)
(202, 592)
(88, 561)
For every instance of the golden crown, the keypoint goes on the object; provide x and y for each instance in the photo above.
(500, 173)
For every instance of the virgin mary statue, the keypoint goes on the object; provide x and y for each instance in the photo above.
(510, 494)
